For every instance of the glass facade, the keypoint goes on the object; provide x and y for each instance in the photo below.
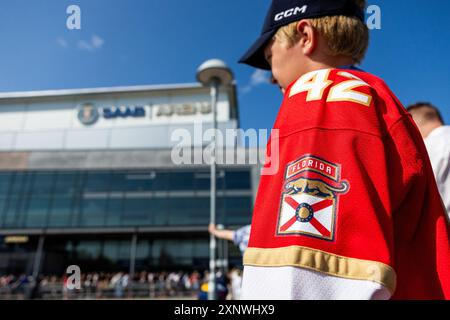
(157, 199)
(100, 199)
(112, 254)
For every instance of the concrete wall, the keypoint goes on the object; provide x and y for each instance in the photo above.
(118, 159)
(50, 121)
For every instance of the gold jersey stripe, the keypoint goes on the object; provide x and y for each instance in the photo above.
(323, 262)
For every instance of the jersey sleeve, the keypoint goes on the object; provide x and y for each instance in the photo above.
(328, 231)
(329, 223)
(422, 242)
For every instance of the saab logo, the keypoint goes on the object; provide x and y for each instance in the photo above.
(310, 198)
(88, 114)
(291, 12)
(124, 112)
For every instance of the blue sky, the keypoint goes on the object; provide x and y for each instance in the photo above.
(134, 42)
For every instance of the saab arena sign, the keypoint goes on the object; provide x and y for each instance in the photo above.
(88, 113)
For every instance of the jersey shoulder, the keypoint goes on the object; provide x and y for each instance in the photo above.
(341, 98)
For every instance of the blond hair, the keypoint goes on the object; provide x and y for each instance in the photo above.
(344, 35)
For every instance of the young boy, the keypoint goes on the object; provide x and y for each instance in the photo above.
(353, 211)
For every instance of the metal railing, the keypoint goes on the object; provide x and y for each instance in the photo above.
(57, 291)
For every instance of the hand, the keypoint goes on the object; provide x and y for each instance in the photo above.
(221, 234)
(212, 229)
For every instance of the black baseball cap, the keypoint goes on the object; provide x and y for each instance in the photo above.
(284, 12)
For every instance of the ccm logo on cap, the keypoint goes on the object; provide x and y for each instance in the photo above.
(291, 12)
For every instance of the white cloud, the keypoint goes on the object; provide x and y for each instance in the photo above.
(62, 43)
(259, 77)
(84, 45)
(95, 43)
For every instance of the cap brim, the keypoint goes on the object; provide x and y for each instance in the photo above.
(255, 55)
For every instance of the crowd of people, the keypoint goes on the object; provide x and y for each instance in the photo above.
(143, 285)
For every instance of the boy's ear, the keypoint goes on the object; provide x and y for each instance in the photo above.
(307, 36)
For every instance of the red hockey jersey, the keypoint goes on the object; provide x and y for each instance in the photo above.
(353, 210)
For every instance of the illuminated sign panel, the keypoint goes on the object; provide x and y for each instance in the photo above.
(89, 113)
(16, 239)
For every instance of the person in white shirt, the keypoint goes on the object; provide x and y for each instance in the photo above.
(437, 140)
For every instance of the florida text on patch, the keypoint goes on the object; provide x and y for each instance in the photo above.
(309, 202)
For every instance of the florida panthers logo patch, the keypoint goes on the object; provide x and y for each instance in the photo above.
(309, 201)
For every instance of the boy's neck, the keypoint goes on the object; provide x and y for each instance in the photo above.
(329, 62)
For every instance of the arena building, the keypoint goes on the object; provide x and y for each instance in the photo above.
(87, 179)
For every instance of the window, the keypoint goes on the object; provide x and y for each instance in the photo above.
(5, 183)
(66, 184)
(188, 211)
(181, 181)
(42, 184)
(60, 212)
(169, 252)
(203, 180)
(136, 212)
(144, 198)
(161, 181)
(158, 211)
(64, 193)
(132, 181)
(88, 250)
(238, 210)
(97, 182)
(180, 210)
(38, 204)
(36, 213)
(94, 201)
(17, 198)
(238, 180)
(114, 212)
(116, 255)
(93, 211)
